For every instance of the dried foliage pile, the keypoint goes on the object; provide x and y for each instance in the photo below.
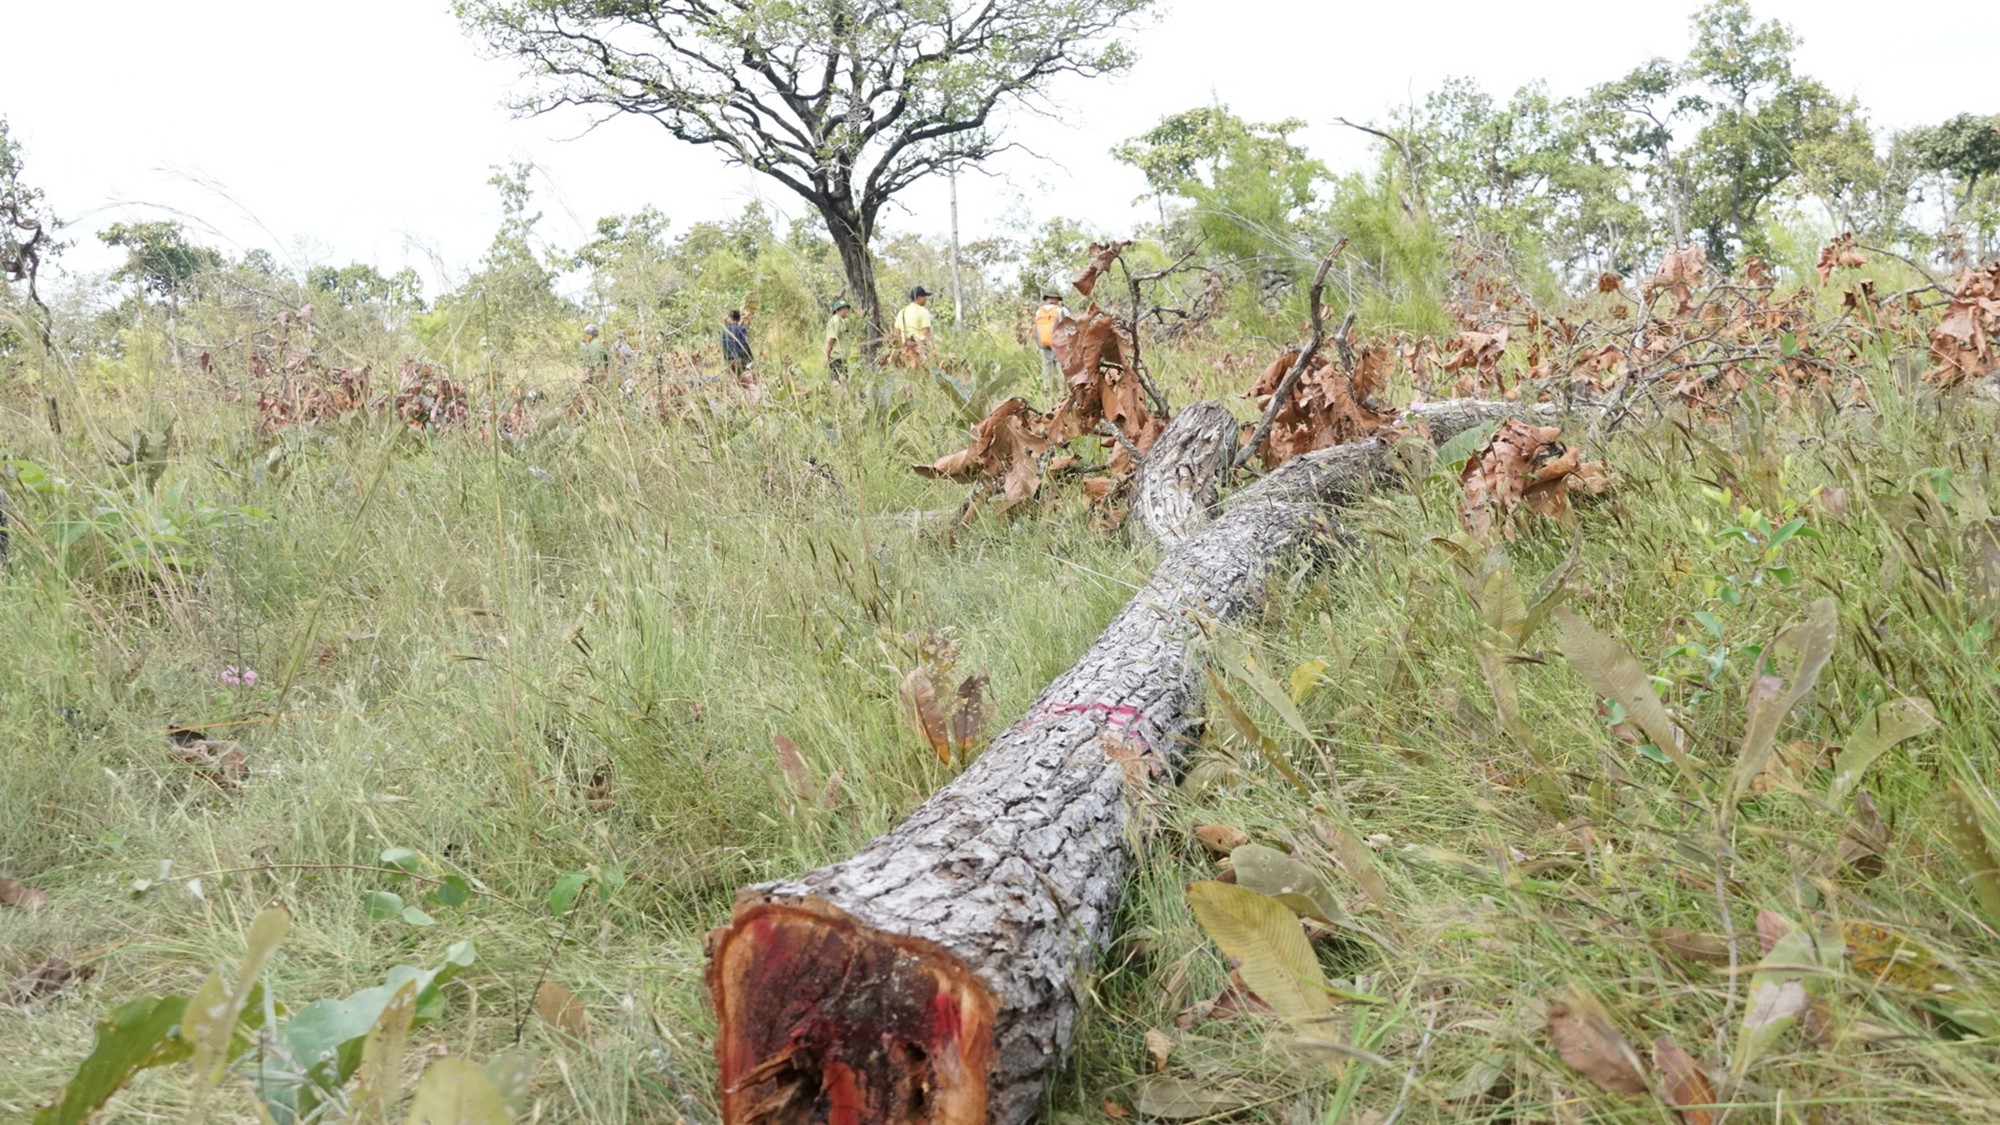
(1012, 446)
(1525, 466)
(1962, 342)
(1327, 407)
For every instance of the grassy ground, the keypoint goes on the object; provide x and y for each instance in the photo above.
(571, 655)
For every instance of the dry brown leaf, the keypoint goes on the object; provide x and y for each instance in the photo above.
(45, 980)
(1707, 949)
(1326, 406)
(1962, 343)
(22, 897)
(920, 706)
(1161, 1046)
(1839, 254)
(1683, 1086)
(1771, 928)
(1007, 444)
(1523, 465)
(560, 1009)
(1102, 254)
(1585, 1038)
(1221, 839)
(221, 761)
(793, 764)
(1115, 1111)
(968, 717)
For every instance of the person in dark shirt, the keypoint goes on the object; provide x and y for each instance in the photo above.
(735, 343)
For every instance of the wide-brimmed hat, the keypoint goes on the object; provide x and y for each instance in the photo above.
(841, 304)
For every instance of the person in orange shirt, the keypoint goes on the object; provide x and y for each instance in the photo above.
(1046, 319)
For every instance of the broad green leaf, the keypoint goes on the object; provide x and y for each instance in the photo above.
(214, 1009)
(1179, 1099)
(1781, 989)
(1454, 453)
(384, 905)
(1885, 726)
(402, 858)
(1968, 838)
(1247, 727)
(325, 1039)
(1305, 678)
(1503, 608)
(136, 1036)
(416, 917)
(455, 1092)
(1269, 871)
(1549, 595)
(1614, 673)
(563, 895)
(453, 890)
(1812, 639)
(1245, 669)
(378, 1082)
(510, 1073)
(1271, 951)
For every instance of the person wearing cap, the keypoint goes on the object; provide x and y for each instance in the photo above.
(913, 325)
(1046, 318)
(595, 356)
(735, 343)
(839, 338)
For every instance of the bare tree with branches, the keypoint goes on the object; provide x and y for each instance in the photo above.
(844, 102)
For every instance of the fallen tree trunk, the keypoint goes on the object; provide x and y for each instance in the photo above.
(1181, 478)
(934, 976)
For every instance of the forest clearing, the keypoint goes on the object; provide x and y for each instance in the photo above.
(1474, 639)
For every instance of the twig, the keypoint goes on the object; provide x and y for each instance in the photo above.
(1105, 428)
(1340, 342)
(1285, 385)
(1935, 283)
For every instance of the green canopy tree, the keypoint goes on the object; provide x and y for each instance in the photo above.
(1764, 124)
(1247, 182)
(844, 102)
(159, 259)
(1966, 147)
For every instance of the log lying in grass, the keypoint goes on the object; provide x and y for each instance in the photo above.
(934, 976)
(1182, 477)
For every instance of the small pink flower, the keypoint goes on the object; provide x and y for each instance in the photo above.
(231, 677)
(249, 677)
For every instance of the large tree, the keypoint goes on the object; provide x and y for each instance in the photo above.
(27, 233)
(844, 102)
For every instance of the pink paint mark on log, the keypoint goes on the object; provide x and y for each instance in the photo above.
(1117, 716)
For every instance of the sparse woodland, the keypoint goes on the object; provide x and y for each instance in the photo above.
(1502, 634)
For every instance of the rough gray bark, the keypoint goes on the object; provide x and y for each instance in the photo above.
(1181, 479)
(934, 975)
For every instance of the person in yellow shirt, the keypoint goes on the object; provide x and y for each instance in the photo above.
(1046, 319)
(913, 327)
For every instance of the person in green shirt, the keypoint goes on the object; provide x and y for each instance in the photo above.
(595, 356)
(839, 339)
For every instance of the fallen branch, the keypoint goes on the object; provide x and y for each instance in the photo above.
(935, 976)
(1299, 365)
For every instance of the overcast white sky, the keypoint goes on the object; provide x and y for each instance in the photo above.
(364, 129)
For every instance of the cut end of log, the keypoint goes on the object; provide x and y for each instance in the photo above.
(822, 1019)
